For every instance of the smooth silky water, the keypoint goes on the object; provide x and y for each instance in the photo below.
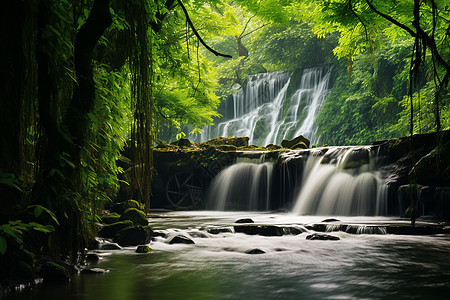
(364, 266)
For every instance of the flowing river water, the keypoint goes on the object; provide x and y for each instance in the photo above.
(219, 266)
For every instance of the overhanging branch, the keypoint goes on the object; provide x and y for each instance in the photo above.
(188, 19)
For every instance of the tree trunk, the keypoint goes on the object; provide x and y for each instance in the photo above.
(59, 181)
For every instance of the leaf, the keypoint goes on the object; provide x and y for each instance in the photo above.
(38, 210)
(42, 228)
(3, 244)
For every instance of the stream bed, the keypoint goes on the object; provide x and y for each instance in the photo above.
(219, 266)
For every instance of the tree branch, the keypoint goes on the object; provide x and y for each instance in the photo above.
(188, 19)
(390, 19)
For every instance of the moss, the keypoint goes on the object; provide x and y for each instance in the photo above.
(110, 218)
(300, 145)
(138, 217)
(108, 231)
(133, 204)
(291, 143)
(241, 141)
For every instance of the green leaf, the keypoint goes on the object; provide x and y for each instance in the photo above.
(42, 228)
(3, 244)
(38, 210)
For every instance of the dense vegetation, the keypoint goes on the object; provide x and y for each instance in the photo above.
(80, 80)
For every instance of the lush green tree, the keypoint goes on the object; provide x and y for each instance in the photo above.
(364, 25)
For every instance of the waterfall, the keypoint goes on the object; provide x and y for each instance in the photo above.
(334, 181)
(341, 181)
(242, 186)
(263, 110)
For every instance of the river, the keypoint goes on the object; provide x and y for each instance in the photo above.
(217, 266)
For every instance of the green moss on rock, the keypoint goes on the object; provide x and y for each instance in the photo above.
(237, 141)
(110, 218)
(109, 231)
(138, 217)
(291, 143)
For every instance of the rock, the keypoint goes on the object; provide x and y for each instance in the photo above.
(300, 145)
(92, 257)
(184, 143)
(416, 230)
(198, 234)
(143, 249)
(133, 204)
(218, 230)
(264, 230)
(255, 251)
(330, 220)
(247, 229)
(109, 231)
(273, 147)
(110, 218)
(318, 227)
(244, 221)
(232, 140)
(157, 233)
(293, 230)
(120, 207)
(52, 272)
(138, 217)
(134, 236)
(181, 239)
(93, 271)
(271, 230)
(291, 143)
(226, 148)
(322, 237)
(110, 246)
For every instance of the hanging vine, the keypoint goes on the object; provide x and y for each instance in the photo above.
(141, 67)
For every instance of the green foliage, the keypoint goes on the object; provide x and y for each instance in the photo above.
(14, 230)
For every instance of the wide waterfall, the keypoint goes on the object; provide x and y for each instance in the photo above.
(341, 181)
(264, 110)
(333, 181)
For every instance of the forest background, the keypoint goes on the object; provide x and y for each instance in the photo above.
(80, 80)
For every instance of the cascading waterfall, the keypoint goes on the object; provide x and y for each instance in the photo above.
(336, 181)
(242, 186)
(264, 112)
(341, 181)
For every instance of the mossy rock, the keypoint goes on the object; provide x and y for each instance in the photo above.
(138, 217)
(182, 143)
(226, 147)
(120, 207)
(433, 169)
(110, 218)
(133, 204)
(237, 141)
(291, 143)
(143, 249)
(134, 236)
(110, 230)
(300, 145)
(273, 147)
(53, 272)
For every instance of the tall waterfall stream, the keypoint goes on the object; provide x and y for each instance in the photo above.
(262, 110)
